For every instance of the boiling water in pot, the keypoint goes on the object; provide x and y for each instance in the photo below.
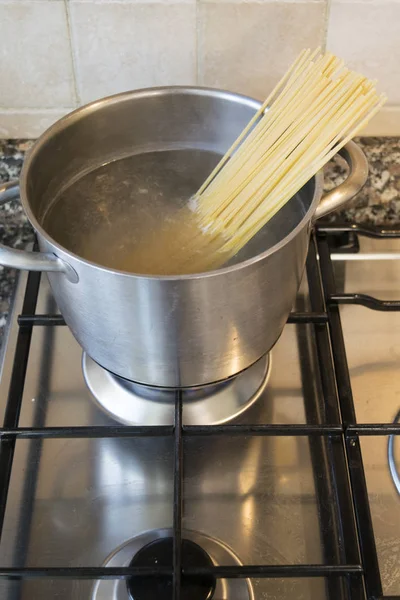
(132, 214)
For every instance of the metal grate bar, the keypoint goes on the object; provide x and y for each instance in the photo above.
(275, 430)
(365, 300)
(58, 320)
(15, 393)
(344, 533)
(107, 431)
(29, 433)
(44, 320)
(339, 438)
(357, 477)
(178, 500)
(365, 230)
(129, 431)
(278, 571)
(225, 572)
(308, 317)
(372, 429)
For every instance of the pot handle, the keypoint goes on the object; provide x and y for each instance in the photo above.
(355, 181)
(30, 261)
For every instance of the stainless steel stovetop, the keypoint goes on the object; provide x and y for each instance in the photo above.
(247, 499)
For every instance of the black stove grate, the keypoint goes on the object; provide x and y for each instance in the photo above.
(351, 568)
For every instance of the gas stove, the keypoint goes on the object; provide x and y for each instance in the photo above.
(281, 483)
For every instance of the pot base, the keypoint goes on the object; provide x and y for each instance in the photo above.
(137, 404)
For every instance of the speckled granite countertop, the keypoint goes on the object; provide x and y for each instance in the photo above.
(378, 203)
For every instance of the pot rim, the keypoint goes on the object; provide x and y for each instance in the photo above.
(81, 112)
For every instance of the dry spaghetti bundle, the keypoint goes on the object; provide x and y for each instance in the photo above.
(316, 108)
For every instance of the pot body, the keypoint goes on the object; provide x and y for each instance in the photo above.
(172, 331)
(181, 332)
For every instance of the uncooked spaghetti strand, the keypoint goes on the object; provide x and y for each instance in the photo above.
(356, 128)
(279, 158)
(233, 186)
(237, 182)
(308, 173)
(299, 184)
(220, 173)
(320, 115)
(314, 111)
(227, 251)
(284, 101)
(260, 165)
(231, 167)
(306, 159)
(292, 87)
(298, 61)
(280, 105)
(209, 192)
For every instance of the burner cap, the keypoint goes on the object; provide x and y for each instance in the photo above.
(159, 553)
(137, 404)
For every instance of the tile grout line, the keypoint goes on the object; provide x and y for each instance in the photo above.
(188, 2)
(241, 2)
(197, 42)
(326, 22)
(21, 110)
(77, 93)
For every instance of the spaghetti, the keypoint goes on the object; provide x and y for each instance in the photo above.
(317, 107)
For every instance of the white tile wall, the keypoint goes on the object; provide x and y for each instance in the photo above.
(377, 2)
(366, 35)
(263, 1)
(57, 54)
(121, 46)
(35, 56)
(28, 123)
(247, 47)
(132, 1)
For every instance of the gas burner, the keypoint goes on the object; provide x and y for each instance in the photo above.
(198, 549)
(159, 553)
(136, 404)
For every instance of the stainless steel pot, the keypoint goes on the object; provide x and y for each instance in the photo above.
(172, 330)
